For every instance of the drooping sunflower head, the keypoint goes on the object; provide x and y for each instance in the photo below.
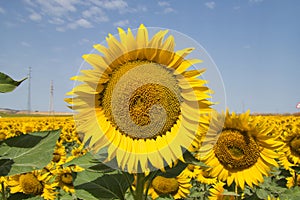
(244, 152)
(142, 100)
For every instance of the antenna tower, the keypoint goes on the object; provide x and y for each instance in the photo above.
(51, 104)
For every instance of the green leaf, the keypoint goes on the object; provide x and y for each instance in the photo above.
(27, 152)
(7, 84)
(291, 194)
(95, 185)
(174, 171)
(190, 159)
(89, 162)
(261, 193)
(18, 196)
(166, 197)
(228, 193)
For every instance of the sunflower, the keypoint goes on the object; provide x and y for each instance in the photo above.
(2, 135)
(33, 183)
(64, 177)
(59, 154)
(294, 180)
(204, 177)
(179, 187)
(140, 101)
(244, 152)
(290, 152)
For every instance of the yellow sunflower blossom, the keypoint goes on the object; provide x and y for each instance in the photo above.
(179, 187)
(34, 183)
(60, 154)
(140, 101)
(64, 177)
(290, 152)
(294, 180)
(244, 152)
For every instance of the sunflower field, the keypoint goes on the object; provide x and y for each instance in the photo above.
(144, 127)
(72, 173)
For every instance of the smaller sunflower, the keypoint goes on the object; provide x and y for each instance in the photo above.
(294, 180)
(290, 152)
(179, 187)
(217, 192)
(64, 177)
(245, 151)
(204, 177)
(60, 154)
(2, 135)
(33, 183)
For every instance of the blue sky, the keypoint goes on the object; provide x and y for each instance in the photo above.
(254, 43)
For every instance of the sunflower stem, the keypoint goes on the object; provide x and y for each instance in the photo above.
(140, 181)
(295, 179)
(3, 191)
(129, 183)
(149, 182)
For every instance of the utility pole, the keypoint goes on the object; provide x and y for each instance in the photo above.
(51, 104)
(29, 92)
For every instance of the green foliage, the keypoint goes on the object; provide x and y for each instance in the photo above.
(27, 152)
(18, 196)
(89, 163)
(7, 84)
(291, 194)
(98, 181)
(189, 158)
(95, 185)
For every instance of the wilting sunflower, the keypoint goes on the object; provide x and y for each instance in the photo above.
(290, 152)
(244, 152)
(142, 101)
(33, 183)
(179, 187)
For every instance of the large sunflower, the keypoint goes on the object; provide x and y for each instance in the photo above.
(244, 152)
(142, 101)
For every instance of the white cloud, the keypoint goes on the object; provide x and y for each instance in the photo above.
(76, 24)
(210, 4)
(122, 23)
(60, 29)
(64, 14)
(163, 3)
(82, 23)
(55, 8)
(25, 44)
(56, 20)
(35, 17)
(2, 11)
(114, 4)
(168, 10)
(96, 14)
